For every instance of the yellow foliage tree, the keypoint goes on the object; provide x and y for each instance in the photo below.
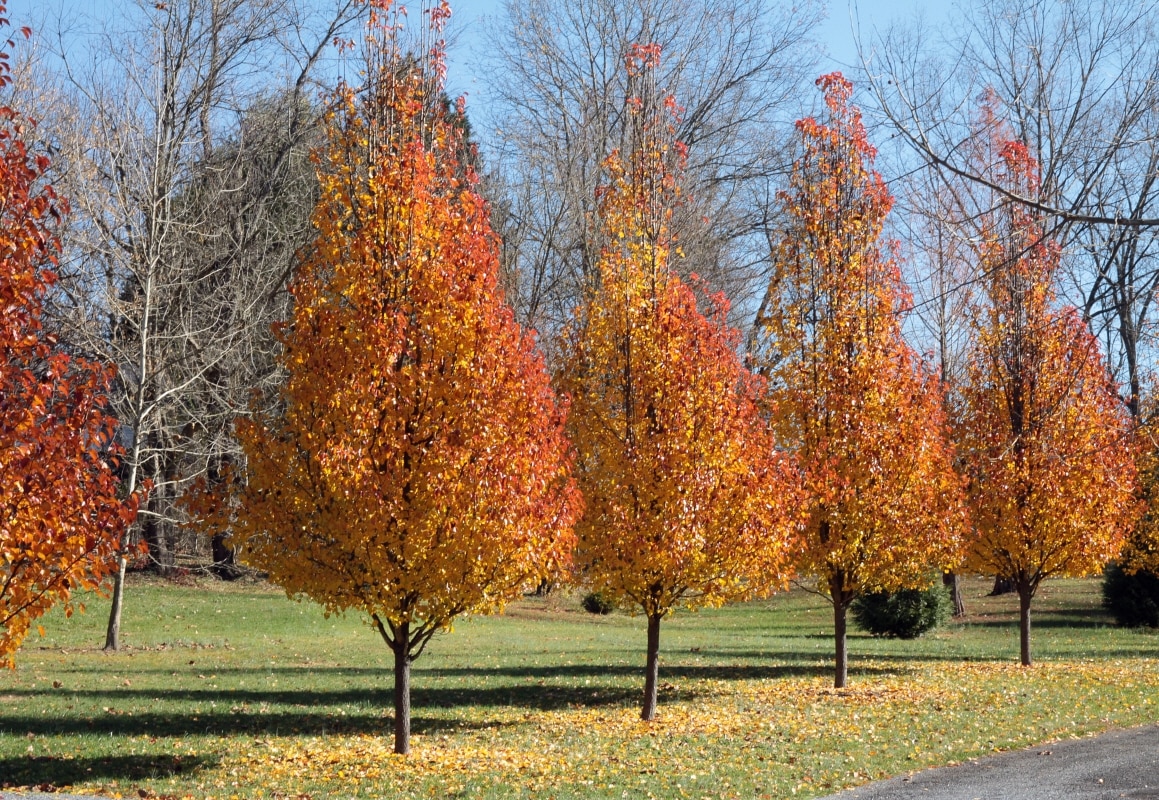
(417, 469)
(688, 501)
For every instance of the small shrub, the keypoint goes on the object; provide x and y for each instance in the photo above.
(595, 603)
(904, 614)
(1133, 600)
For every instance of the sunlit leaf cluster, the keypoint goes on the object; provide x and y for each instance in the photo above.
(417, 468)
(1047, 444)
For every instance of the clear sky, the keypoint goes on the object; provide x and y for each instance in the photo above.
(835, 33)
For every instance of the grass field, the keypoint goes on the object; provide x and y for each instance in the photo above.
(234, 691)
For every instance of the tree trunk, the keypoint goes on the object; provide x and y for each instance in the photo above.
(1002, 586)
(954, 583)
(1025, 595)
(153, 533)
(402, 659)
(652, 670)
(841, 655)
(113, 631)
(224, 561)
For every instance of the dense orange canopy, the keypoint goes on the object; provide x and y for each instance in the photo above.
(688, 500)
(1046, 441)
(417, 469)
(849, 397)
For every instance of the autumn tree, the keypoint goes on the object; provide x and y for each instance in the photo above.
(688, 501)
(416, 469)
(850, 398)
(1046, 440)
(60, 515)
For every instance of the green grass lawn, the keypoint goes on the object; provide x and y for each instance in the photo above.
(234, 691)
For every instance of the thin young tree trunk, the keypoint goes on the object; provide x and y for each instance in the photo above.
(113, 630)
(652, 671)
(841, 672)
(1025, 595)
(402, 659)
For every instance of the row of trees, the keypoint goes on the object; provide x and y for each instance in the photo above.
(415, 465)
(181, 132)
(409, 458)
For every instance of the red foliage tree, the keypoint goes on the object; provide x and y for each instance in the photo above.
(1046, 440)
(850, 398)
(417, 469)
(60, 518)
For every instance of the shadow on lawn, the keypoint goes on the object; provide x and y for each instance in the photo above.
(673, 664)
(1048, 619)
(767, 665)
(296, 711)
(225, 723)
(49, 773)
(817, 666)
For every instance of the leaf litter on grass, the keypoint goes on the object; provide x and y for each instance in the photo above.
(765, 737)
(527, 723)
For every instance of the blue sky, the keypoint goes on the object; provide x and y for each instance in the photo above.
(836, 32)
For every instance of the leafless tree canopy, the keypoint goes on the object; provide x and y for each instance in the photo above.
(1078, 82)
(559, 86)
(181, 138)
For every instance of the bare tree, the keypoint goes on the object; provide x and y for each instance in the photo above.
(1078, 82)
(736, 67)
(189, 122)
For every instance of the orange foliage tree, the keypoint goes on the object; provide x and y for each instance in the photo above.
(417, 469)
(1045, 438)
(60, 518)
(849, 397)
(687, 500)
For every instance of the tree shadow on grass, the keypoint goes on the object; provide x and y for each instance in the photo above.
(1047, 620)
(273, 722)
(767, 665)
(672, 665)
(812, 660)
(282, 712)
(50, 773)
(668, 671)
(304, 703)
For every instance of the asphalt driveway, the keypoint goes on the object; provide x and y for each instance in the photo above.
(1119, 764)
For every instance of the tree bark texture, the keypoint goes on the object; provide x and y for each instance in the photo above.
(113, 631)
(652, 670)
(953, 582)
(841, 597)
(1025, 595)
(841, 655)
(402, 660)
(1002, 586)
